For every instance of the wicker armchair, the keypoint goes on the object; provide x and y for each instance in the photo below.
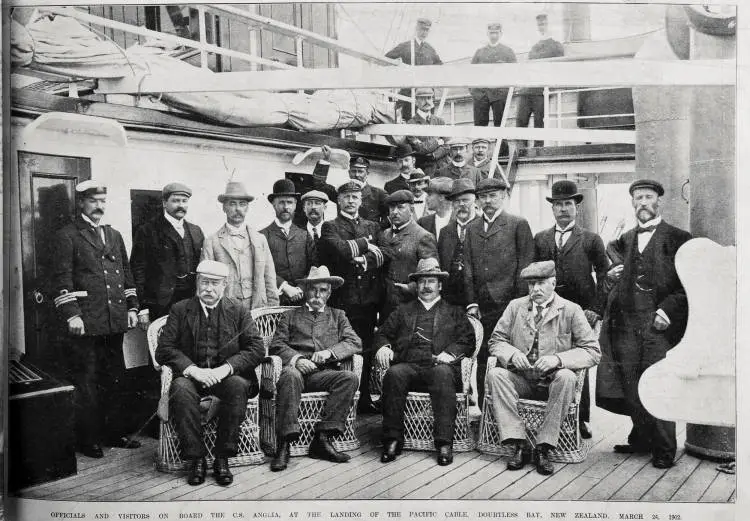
(571, 448)
(418, 417)
(169, 458)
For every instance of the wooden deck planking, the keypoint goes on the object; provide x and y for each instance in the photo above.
(130, 475)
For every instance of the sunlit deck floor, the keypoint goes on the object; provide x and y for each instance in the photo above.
(129, 475)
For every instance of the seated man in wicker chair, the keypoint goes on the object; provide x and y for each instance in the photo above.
(539, 340)
(311, 341)
(212, 345)
(423, 341)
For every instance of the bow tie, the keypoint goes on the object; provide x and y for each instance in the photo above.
(417, 201)
(646, 229)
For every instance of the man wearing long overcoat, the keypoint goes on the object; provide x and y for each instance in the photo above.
(646, 317)
(577, 254)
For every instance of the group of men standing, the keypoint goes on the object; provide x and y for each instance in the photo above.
(530, 99)
(413, 273)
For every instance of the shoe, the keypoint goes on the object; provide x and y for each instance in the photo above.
(281, 460)
(520, 456)
(630, 449)
(585, 431)
(321, 448)
(197, 473)
(92, 451)
(662, 462)
(445, 455)
(391, 449)
(541, 460)
(124, 443)
(222, 474)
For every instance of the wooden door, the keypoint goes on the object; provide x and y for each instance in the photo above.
(47, 197)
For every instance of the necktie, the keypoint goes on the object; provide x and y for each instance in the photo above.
(533, 354)
(461, 231)
(538, 317)
(645, 229)
(560, 238)
(315, 234)
(100, 232)
(208, 314)
(315, 314)
(487, 224)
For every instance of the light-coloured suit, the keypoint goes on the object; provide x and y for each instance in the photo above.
(563, 332)
(256, 289)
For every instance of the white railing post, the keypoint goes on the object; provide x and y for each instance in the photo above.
(253, 36)
(559, 113)
(202, 36)
(453, 112)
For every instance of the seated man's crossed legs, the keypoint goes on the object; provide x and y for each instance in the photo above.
(506, 388)
(441, 381)
(341, 386)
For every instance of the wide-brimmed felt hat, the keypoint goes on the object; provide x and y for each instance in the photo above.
(563, 190)
(462, 186)
(283, 188)
(490, 184)
(429, 267)
(235, 190)
(399, 196)
(321, 274)
(176, 188)
(404, 150)
(656, 186)
(538, 270)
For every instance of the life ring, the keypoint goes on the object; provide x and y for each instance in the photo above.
(716, 20)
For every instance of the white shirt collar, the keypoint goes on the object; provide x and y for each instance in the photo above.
(653, 222)
(459, 223)
(425, 115)
(286, 226)
(399, 228)
(459, 165)
(476, 161)
(422, 197)
(310, 309)
(492, 220)
(240, 228)
(568, 227)
(348, 216)
(406, 176)
(92, 223)
(544, 304)
(206, 306)
(319, 227)
(428, 306)
(177, 223)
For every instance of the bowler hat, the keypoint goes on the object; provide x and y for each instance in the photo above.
(212, 269)
(321, 274)
(538, 270)
(315, 194)
(429, 267)
(404, 150)
(656, 186)
(440, 185)
(359, 161)
(565, 189)
(399, 196)
(490, 184)
(90, 187)
(462, 186)
(175, 188)
(282, 188)
(235, 190)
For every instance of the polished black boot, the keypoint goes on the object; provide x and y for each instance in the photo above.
(281, 460)
(445, 455)
(391, 449)
(322, 448)
(222, 474)
(196, 471)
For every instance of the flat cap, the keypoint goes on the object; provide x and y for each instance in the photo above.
(426, 22)
(417, 175)
(495, 26)
(212, 269)
(90, 187)
(458, 142)
(352, 185)
(176, 188)
(462, 186)
(359, 161)
(490, 185)
(656, 186)
(399, 196)
(315, 194)
(538, 270)
(441, 185)
(424, 91)
(481, 140)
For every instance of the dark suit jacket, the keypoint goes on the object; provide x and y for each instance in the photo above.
(292, 255)
(454, 289)
(395, 184)
(489, 54)
(424, 54)
(494, 260)
(82, 262)
(430, 155)
(582, 254)
(316, 181)
(402, 252)
(240, 344)
(157, 252)
(341, 241)
(373, 205)
(299, 333)
(467, 171)
(428, 223)
(452, 331)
